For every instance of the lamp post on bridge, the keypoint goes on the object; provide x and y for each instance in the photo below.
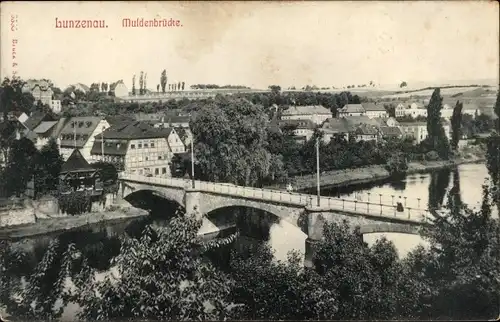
(317, 170)
(192, 163)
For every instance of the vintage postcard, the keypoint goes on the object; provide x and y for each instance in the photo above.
(260, 160)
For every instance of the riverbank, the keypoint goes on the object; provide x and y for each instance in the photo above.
(369, 174)
(60, 224)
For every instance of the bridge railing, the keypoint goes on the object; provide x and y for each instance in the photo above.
(387, 199)
(382, 208)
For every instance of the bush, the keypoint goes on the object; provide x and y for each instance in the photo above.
(431, 156)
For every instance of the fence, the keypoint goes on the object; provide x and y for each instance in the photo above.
(291, 198)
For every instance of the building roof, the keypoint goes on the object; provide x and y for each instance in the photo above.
(373, 107)
(113, 85)
(366, 129)
(390, 131)
(354, 121)
(44, 127)
(76, 163)
(81, 127)
(352, 108)
(115, 120)
(32, 83)
(85, 87)
(135, 131)
(116, 137)
(410, 124)
(182, 133)
(417, 105)
(36, 118)
(306, 110)
(299, 124)
(338, 125)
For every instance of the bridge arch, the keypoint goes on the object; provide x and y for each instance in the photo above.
(169, 193)
(209, 203)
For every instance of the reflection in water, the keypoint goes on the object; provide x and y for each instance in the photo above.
(440, 180)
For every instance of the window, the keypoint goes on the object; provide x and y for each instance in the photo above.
(139, 146)
(159, 157)
(140, 171)
(163, 170)
(157, 171)
(152, 144)
(132, 146)
(145, 145)
(146, 158)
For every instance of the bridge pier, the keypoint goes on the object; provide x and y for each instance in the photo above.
(315, 222)
(192, 202)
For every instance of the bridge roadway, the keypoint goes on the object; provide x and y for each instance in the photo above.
(361, 205)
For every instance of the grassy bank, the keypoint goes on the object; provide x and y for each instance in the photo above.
(51, 225)
(347, 177)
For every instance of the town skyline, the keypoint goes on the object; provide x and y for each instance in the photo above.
(256, 44)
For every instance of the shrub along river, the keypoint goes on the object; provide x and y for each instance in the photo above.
(101, 241)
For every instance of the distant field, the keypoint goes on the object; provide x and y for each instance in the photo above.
(466, 91)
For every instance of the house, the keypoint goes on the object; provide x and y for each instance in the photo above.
(78, 176)
(400, 110)
(174, 121)
(79, 133)
(315, 113)
(415, 130)
(351, 110)
(138, 148)
(55, 106)
(365, 132)
(471, 109)
(118, 89)
(46, 130)
(354, 121)
(80, 87)
(388, 132)
(373, 110)
(416, 109)
(391, 121)
(186, 136)
(335, 127)
(303, 130)
(36, 118)
(40, 89)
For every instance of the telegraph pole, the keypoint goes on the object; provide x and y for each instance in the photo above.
(317, 170)
(192, 163)
(102, 144)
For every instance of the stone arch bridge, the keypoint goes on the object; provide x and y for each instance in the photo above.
(302, 210)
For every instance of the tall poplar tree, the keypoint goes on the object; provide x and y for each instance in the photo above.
(163, 80)
(436, 135)
(456, 125)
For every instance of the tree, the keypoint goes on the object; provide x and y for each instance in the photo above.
(179, 86)
(158, 88)
(107, 170)
(230, 136)
(133, 85)
(435, 131)
(48, 167)
(183, 85)
(278, 290)
(403, 84)
(145, 83)
(13, 98)
(462, 265)
(367, 281)
(456, 125)
(21, 166)
(141, 83)
(164, 273)
(163, 80)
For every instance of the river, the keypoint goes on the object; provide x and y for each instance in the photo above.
(100, 242)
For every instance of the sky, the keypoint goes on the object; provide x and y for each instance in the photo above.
(255, 43)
